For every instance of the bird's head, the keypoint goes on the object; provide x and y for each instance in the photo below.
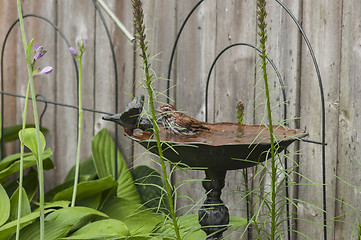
(167, 108)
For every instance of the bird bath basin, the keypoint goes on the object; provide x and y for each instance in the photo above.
(227, 146)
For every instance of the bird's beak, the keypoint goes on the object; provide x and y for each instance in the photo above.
(158, 110)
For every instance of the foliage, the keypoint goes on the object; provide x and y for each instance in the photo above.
(103, 209)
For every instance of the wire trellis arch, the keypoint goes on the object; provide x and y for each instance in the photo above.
(315, 63)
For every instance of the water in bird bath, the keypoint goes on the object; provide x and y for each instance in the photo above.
(221, 134)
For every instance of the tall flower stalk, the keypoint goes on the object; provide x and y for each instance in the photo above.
(141, 36)
(30, 61)
(81, 43)
(262, 33)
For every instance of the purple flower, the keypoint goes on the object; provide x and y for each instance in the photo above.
(38, 55)
(36, 46)
(39, 51)
(72, 50)
(46, 70)
(81, 42)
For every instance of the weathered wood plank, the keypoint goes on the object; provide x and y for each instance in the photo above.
(348, 157)
(75, 18)
(8, 14)
(322, 20)
(234, 81)
(160, 20)
(105, 74)
(196, 51)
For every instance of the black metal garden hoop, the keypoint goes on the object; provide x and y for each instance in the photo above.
(305, 38)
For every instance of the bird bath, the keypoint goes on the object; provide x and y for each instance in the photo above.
(228, 146)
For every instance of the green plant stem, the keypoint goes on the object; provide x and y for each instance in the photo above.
(140, 29)
(21, 173)
(80, 123)
(36, 121)
(160, 150)
(263, 55)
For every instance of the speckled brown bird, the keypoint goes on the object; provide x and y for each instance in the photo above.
(178, 123)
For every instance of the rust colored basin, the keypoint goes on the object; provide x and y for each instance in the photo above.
(227, 146)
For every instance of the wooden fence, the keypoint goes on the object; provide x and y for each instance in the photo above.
(333, 28)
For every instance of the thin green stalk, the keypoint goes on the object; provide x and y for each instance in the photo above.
(263, 39)
(21, 173)
(36, 121)
(80, 123)
(140, 34)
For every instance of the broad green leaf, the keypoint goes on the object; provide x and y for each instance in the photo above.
(74, 216)
(53, 231)
(30, 184)
(150, 184)
(56, 204)
(189, 228)
(8, 229)
(86, 189)
(11, 133)
(103, 229)
(30, 140)
(4, 206)
(29, 161)
(86, 170)
(49, 195)
(90, 202)
(11, 159)
(103, 151)
(139, 219)
(14, 201)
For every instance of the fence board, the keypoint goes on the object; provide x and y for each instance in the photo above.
(234, 81)
(348, 158)
(322, 20)
(8, 13)
(196, 49)
(105, 74)
(82, 24)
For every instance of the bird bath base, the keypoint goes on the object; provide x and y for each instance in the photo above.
(213, 215)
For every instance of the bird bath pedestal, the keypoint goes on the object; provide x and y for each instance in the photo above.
(227, 146)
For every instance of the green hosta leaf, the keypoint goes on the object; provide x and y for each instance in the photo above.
(6, 162)
(74, 216)
(87, 189)
(8, 229)
(103, 151)
(29, 161)
(103, 229)
(86, 170)
(30, 184)
(56, 204)
(4, 206)
(11, 133)
(25, 204)
(138, 218)
(30, 140)
(150, 184)
(53, 231)
(49, 196)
